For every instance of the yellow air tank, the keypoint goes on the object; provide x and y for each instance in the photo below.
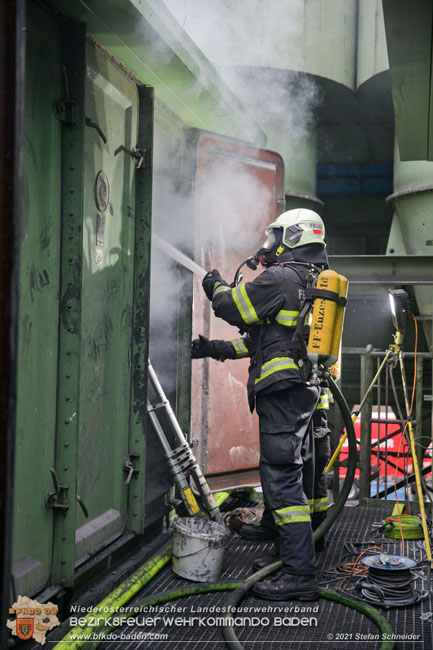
(338, 324)
(320, 342)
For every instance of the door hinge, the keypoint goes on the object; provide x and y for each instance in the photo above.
(141, 156)
(57, 498)
(130, 465)
(64, 110)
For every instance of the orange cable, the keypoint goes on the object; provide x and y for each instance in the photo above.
(352, 567)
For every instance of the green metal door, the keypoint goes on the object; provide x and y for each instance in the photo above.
(111, 114)
(39, 251)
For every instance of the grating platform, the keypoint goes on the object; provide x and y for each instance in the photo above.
(274, 625)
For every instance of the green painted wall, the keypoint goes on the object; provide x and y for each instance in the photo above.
(83, 305)
(38, 308)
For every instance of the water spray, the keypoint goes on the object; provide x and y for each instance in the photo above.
(176, 254)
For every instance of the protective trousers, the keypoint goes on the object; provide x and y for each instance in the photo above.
(287, 471)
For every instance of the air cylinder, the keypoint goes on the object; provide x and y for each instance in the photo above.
(327, 322)
(339, 320)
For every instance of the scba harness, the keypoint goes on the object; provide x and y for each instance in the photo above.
(315, 345)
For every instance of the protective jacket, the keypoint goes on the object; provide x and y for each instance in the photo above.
(268, 309)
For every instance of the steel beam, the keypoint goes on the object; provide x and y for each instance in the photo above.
(68, 395)
(140, 334)
(384, 269)
(365, 442)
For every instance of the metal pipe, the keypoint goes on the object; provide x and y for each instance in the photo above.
(382, 353)
(418, 410)
(356, 413)
(208, 498)
(415, 460)
(365, 440)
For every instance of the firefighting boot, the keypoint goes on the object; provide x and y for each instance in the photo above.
(267, 558)
(257, 533)
(263, 531)
(285, 586)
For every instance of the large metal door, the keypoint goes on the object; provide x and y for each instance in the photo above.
(111, 114)
(83, 305)
(239, 190)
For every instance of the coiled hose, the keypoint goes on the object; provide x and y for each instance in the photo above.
(167, 596)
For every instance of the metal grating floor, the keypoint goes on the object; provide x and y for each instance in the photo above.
(329, 625)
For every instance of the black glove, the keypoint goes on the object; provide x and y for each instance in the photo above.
(209, 281)
(201, 348)
(219, 350)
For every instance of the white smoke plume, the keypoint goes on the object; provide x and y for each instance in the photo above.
(258, 48)
(230, 205)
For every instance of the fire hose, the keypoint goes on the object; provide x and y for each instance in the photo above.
(240, 589)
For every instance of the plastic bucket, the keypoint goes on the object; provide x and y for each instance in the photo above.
(198, 548)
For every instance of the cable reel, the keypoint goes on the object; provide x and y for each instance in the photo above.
(390, 582)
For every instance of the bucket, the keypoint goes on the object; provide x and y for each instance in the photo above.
(198, 548)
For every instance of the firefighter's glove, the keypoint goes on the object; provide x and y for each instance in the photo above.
(201, 348)
(209, 281)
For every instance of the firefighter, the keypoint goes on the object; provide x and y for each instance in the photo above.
(266, 530)
(267, 309)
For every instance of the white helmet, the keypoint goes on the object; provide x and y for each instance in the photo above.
(299, 227)
(291, 229)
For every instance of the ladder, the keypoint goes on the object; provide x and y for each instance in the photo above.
(181, 459)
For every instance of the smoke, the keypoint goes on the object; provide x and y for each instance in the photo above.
(233, 205)
(258, 48)
(222, 220)
(219, 225)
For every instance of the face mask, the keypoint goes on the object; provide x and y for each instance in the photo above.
(269, 247)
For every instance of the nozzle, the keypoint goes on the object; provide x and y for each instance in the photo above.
(252, 263)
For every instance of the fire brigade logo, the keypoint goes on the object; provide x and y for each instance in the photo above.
(25, 627)
(33, 619)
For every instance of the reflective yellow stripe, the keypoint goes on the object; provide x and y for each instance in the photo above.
(293, 520)
(191, 500)
(219, 288)
(323, 401)
(318, 505)
(240, 347)
(274, 365)
(287, 318)
(244, 305)
(291, 514)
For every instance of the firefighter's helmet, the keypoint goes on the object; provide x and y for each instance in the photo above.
(291, 229)
(299, 227)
